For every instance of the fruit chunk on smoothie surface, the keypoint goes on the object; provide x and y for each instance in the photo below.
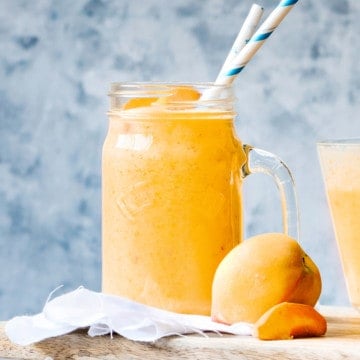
(178, 94)
(139, 102)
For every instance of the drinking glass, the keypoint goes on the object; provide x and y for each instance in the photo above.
(340, 164)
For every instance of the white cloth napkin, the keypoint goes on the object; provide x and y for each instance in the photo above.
(106, 314)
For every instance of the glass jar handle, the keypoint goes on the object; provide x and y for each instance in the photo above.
(260, 161)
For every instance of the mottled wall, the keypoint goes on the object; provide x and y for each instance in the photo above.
(57, 59)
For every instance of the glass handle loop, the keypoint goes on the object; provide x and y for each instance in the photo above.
(260, 161)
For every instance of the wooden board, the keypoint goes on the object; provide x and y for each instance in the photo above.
(342, 341)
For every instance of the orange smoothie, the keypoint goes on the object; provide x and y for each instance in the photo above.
(341, 170)
(171, 204)
(345, 209)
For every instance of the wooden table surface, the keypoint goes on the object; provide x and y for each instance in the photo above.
(342, 341)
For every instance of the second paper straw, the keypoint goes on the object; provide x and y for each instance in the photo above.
(247, 30)
(228, 74)
(245, 33)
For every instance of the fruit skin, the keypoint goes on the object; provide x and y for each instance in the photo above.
(290, 320)
(259, 273)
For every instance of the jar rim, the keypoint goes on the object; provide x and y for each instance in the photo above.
(211, 96)
(127, 87)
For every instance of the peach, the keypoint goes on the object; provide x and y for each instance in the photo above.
(259, 273)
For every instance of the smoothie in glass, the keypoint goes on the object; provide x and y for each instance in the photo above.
(340, 162)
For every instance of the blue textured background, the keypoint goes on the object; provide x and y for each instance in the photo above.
(57, 59)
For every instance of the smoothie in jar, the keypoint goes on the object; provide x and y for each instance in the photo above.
(171, 201)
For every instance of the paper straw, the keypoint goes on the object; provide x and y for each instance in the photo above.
(244, 35)
(228, 75)
(247, 30)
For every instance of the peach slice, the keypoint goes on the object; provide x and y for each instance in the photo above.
(290, 320)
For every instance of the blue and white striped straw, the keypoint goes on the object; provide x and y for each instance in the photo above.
(228, 74)
(246, 32)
